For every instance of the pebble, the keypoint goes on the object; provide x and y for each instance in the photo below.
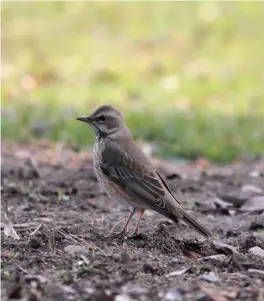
(254, 174)
(74, 249)
(174, 295)
(251, 188)
(134, 290)
(225, 247)
(148, 268)
(123, 297)
(256, 251)
(255, 203)
(211, 277)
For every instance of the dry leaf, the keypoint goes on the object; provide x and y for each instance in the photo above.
(10, 231)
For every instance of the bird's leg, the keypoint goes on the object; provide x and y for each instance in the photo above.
(124, 230)
(136, 232)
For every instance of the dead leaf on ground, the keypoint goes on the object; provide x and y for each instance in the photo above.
(10, 231)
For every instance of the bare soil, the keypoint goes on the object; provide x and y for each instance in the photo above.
(52, 198)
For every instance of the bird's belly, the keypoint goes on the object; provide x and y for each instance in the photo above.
(114, 191)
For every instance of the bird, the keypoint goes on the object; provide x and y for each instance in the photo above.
(127, 174)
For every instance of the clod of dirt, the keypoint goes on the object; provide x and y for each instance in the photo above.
(254, 226)
(149, 268)
(224, 248)
(27, 288)
(125, 259)
(231, 233)
(34, 243)
(250, 241)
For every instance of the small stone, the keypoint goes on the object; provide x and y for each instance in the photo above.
(134, 290)
(34, 243)
(254, 174)
(227, 249)
(174, 295)
(254, 204)
(123, 297)
(256, 251)
(75, 249)
(211, 277)
(251, 188)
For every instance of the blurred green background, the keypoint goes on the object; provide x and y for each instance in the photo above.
(188, 75)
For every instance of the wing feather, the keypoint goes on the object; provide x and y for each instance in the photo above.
(140, 182)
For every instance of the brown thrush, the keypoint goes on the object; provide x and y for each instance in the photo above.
(127, 174)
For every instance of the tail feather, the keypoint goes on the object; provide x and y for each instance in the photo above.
(193, 223)
(178, 212)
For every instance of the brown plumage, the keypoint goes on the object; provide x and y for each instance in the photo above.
(127, 174)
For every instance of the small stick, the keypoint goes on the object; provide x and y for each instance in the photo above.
(36, 230)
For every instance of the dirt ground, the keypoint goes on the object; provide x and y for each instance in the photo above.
(51, 198)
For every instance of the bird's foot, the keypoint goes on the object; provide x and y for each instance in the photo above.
(135, 235)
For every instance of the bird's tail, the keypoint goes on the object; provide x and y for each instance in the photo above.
(193, 223)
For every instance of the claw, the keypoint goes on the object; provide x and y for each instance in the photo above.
(137, 236)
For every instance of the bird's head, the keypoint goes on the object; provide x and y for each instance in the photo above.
(105, 120)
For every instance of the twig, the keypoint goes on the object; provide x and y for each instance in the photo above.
(22, 270)
(36, 230)
(22, 227)
(115, 226)
(67, 236)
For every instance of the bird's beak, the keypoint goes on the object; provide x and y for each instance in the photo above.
(86, 119)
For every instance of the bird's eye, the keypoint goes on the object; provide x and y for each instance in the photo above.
(102, 118)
